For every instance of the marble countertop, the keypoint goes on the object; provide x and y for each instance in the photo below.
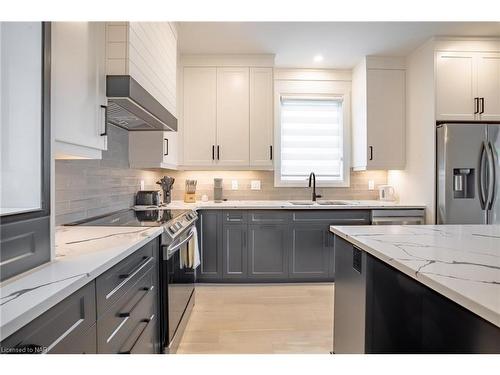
(279, 204)
(461, 262)
(83, 253)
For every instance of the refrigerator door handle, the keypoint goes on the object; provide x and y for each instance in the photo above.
(480, 178)
(491, 175)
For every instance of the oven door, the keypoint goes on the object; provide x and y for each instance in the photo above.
(180, 282)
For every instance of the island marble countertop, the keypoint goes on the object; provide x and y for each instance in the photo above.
(461, 262)
(83, 253)
(279, 204)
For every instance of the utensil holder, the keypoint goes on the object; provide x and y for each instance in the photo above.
(167, 196)
(189, 197)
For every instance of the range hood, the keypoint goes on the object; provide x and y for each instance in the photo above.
(132, 107)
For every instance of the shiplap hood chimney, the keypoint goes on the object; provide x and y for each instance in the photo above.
(132, 107)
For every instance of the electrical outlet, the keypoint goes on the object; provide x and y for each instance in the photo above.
(234, 184)
(142, 184)
(371, 185)
(255, 185)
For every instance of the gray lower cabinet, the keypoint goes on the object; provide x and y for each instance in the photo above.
(310, 251)
(234, 251)
(210, 244)
(270, 245)
(267, 251)
(116, 313)
(67, 328)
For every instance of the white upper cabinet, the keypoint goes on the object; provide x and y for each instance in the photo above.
(467, 86)
(378, 119)
(199, 116)
(227, 112)
(488, 86)
(232, 117)
(78, 92)
(261, 117)
(153, 149)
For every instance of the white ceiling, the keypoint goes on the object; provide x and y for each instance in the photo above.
(342, 44)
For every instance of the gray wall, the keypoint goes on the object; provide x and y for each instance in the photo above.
(86, 188)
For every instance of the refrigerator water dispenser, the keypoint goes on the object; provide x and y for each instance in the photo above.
(463, 183)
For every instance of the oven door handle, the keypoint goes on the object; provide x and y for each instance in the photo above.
(173, 248)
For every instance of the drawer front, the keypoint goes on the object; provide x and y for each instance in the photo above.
(123, 319)
(62, 329)
(115, 282)
(269, 216)
(145, 342)
(235, 216)
(333, 217)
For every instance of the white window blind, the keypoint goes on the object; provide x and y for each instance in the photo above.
(311, 139)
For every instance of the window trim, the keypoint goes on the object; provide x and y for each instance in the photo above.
(313, 90)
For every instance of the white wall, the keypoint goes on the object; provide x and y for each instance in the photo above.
(416, 184)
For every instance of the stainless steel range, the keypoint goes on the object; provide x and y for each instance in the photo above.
(177, 275)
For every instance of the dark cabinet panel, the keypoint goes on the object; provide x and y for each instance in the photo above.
(210, 243)
(333, 217)
(65, 328)
(115, 282)
(234, 249)
(268, 251)
(309, 251)
(235, 216)
(269, 216)
(123, 323)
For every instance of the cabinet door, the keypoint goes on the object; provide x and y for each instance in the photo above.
(309, 251)
(261, 117)
(488, 85)
(455, 89)
(234, 249)
(67, 328)
(232, 117)
(386, 119)
(199, 120)
(267, 251)
(152, 149)
(210, 242)
(78, 86)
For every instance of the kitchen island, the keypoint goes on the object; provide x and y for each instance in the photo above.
(417, 289)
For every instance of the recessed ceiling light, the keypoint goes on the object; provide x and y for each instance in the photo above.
(318, 58)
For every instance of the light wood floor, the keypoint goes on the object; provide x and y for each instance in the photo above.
(264, 318)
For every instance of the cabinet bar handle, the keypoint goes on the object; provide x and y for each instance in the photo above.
(270, 152)
(218, 152)
(476, 106)
(371, 153)
(63, 336)
(105, 120)
(482, 106)
(165, 146)
(213, 152)
(127, 277)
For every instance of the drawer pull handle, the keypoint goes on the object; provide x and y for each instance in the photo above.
(147, 321)
(127, 277)
(118, 328)
(63, 336)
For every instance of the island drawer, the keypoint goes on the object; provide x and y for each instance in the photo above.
(121, 326)
(115, 282)
(66, 328)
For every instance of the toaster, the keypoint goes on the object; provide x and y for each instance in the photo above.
(147, 198)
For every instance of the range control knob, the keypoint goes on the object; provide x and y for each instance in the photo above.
(172, 229)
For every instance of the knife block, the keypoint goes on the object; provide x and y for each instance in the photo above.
(190, 197)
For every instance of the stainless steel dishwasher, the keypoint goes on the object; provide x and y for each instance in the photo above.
(398, 217)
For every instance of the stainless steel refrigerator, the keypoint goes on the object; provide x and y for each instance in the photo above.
(468, 173)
